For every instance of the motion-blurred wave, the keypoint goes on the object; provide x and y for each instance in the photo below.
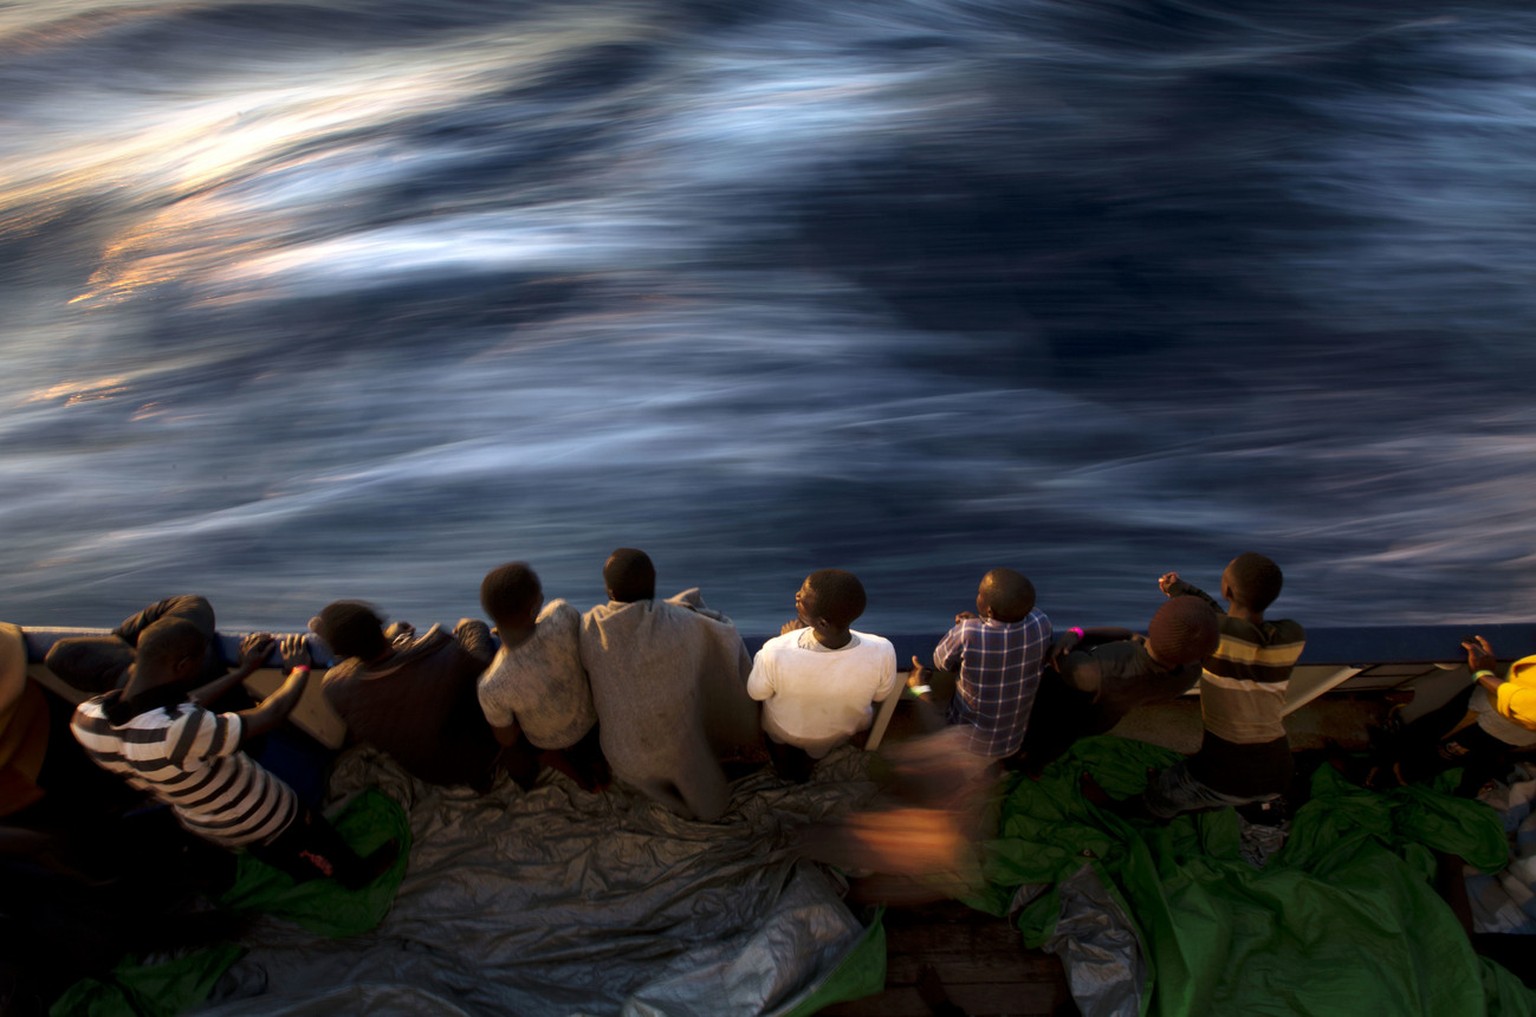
(308, 300)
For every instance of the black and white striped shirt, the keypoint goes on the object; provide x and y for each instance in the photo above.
(190, 759)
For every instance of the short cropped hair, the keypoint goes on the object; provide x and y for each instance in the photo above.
(351, 628)
(840, 596)
(1184, 630)
(629, 575)
(1010, 595)
(1256, 580)
(170, 639)
(509, 590)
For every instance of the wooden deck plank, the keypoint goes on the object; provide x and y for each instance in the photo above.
(980, 960)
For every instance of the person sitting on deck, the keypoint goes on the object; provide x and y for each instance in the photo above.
(996, 654)
(94, 664)
(1094, 677)
(1245, 755)
(669, 685)
(819, 679)
(1481, 729)
(157, 732)
(413, 699)
(535, 694)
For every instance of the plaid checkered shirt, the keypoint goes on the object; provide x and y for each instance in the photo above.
(999, 670)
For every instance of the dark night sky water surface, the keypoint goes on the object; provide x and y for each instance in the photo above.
(312, 300)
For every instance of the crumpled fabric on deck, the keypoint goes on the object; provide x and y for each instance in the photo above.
(1099, 947)
(562, 902)
(163, 986)
(1505, 902)
(1343, 918)
(155, 990)
(323, 906)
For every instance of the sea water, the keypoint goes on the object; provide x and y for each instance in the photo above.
(315, 300)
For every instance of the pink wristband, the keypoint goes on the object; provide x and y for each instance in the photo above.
(1076, 631)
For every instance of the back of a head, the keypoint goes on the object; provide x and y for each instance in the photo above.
(1009, 594)
(1184, 630)
(840, 596)
(509, 590)
(629, 575)
(166, 642)
(1255, 581)
(351, 628)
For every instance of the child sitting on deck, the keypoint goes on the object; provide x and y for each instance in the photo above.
(535, 694)
(1482, 728)
(1245, 755)
(819, 679)
(157, 733)
(997, 653)
(1095, 677)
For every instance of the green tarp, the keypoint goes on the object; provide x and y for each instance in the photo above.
(165, 988)
(1343, 920)
(148, 990)
(322, 906)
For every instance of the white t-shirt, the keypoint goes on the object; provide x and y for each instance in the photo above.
(815, 698)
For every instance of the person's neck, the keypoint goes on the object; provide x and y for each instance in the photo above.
(135, 702)
(515, 634)
(1247, 614)
(833, 639)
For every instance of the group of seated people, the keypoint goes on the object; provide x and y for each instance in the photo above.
(660, 695)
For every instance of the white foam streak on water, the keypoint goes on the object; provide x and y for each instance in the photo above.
(234, 120)
(563, 238)
(362, 317)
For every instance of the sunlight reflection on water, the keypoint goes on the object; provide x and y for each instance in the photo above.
(364, 301)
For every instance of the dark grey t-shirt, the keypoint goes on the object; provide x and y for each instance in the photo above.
(1120, 676)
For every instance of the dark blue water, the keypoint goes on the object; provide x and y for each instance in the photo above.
(310, 300)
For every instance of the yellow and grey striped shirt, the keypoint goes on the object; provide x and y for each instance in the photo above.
(1242, 689)
(1242, 701)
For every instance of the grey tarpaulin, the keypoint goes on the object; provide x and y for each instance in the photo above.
(1099, 948)
(566, 903)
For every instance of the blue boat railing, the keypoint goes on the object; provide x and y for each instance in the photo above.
(1382, 653)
